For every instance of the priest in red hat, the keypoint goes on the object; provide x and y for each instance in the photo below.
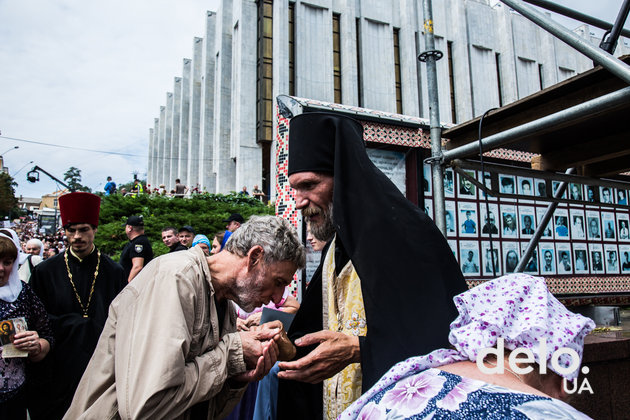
(76, 288)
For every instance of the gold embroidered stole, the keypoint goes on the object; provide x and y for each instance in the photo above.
(343, 312)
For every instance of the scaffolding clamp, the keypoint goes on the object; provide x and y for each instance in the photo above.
(436, 54)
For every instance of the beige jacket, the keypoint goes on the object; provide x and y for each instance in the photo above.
(160, 352)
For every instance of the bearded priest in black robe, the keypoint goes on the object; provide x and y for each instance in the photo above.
(367, 306)
(76, 288)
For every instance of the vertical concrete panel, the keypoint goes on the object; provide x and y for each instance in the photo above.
(527, 77)
(184, 132)
(195, 114)
(168, 135)
(155, 151)
(248, 152)
(223, 104)
(408, 57)
(206, 169)
(349, 65)
(377, 66)
(313, 53)
(177, 112)
(507, 58)
(484, 80)
(161, 160)
(150, 157)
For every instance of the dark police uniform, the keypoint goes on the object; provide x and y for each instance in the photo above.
(137, 247)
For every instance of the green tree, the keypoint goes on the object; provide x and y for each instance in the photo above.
(8, 201)
(73, 178)
(204, 212)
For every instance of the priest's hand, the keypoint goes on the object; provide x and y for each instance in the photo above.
(334, 352)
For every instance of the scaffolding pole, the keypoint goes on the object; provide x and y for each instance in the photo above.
(533, 243)
(430, 57)
(606, 60)
(585, 109)
(574, 14)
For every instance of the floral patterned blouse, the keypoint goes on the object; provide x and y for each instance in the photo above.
(31, 308)
(435, 394)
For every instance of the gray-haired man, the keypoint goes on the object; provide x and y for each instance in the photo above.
(170, 347)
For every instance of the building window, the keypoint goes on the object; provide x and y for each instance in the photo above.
(451, 80)
(398, 84)
(540, 76)
(337, 56)
(497, 60)
(292, 49)
(264, 96)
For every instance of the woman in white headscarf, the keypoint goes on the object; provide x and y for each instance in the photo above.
(26, 332)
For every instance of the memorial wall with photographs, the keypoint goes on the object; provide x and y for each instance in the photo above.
(489, 237)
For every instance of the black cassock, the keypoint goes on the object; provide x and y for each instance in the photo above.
(407, 270)
(53, 381)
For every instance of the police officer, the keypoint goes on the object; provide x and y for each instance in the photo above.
(138, 252)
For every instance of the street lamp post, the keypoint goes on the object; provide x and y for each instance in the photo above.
(7, 151)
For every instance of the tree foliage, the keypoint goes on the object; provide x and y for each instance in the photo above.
(8, 201)
(204, 212)
(72, 177)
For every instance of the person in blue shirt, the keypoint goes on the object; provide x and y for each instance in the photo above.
(110, 187)
(469, 225)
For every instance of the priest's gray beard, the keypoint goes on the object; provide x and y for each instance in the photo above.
(324, 230)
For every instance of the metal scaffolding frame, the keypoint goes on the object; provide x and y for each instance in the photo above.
(441, 158)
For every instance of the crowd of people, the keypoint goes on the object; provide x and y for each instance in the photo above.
(380, 332)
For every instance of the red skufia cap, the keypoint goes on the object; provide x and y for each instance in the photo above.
(79, 207)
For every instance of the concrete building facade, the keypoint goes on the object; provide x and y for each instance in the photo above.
(216, 130)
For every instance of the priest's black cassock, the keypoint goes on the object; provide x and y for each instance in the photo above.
(56, 378)
(408, 285)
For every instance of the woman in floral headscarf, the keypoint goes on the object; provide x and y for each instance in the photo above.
(17, 300)
(514, 311)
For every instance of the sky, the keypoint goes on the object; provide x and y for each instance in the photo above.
(82, 81)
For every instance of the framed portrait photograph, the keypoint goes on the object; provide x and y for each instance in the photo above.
(511, 256)
(565, 263)
(606, 195)
(623, 225)
(452, 243)
(507, 185)
(596, 252)
(609, 226)
(540, 189)
(466, 188)
(468, 223)
(451, 218)
(580, 258)
(624, 256)
(428, 179)
(428, 207)
(578, 230)
(622, 197)
(509, 228)
(532, 265)
(561, 223)
(548, 231)
(592, 193)
(525, 186)
(487, 181)
(469, 258)
(547, 258)
(527, 221)
(489, 221)
(593, 227)
(491, 258)
(612, 259)
(449, 183)
(576, 192)
(554, 186)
